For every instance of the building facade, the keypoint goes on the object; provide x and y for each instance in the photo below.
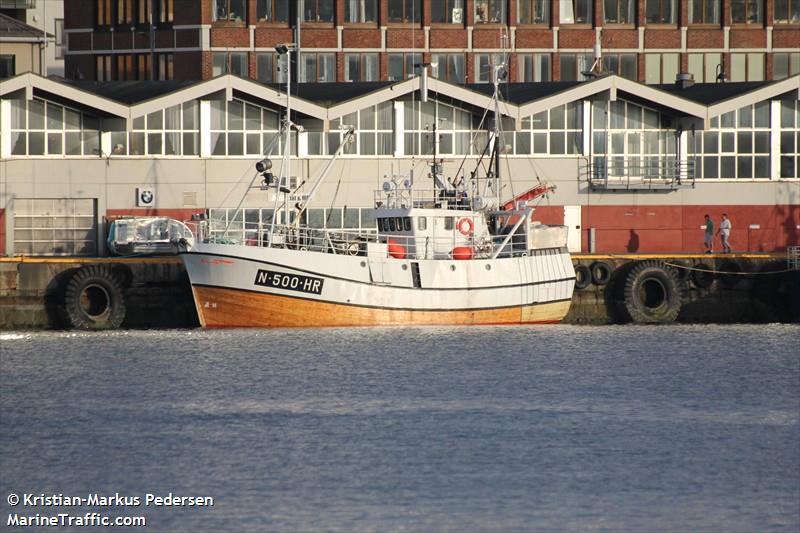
(43, 16)
(635, 166)
(649, 41)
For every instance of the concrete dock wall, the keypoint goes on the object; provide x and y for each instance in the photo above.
(723, 289)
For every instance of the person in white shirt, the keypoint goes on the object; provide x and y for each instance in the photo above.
(725, 233)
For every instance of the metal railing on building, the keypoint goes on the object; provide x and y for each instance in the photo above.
(639, 173)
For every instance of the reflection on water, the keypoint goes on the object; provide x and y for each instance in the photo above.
(623, 428)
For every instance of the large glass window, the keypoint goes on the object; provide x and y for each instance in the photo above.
(317, 67)
(534, 67)
(704, 11)
(554, 132)
(361, 67)
(447, 11)
(533, 11)
(790, 138)
(736, 146)
(450, 67)
(272, 10)
(630, 140)
(618, 11)
(624, 65)
(747, 11)
(459, 131)
(787, 12)
(575, 11)
(661, 68)
(45, 128)
(485, 65)
(171, 131)
(235, 10)
(785, 64)
(229, 63)
(405, 10)
(271, 68)
(374, 131)
(401, 65)
(360, 10)
(240, 128)
(490, 11)
(705, 67)
(317, 11)
(747, 67)
(660, 11)
(572, 65)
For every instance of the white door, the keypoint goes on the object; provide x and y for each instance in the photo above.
(572, 220)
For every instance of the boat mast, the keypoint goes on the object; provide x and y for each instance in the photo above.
(284, 49)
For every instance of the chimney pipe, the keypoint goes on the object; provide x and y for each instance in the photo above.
(684, 80)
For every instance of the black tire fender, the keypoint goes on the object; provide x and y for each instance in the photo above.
(702, 276)
(601, 272)
(652, 293)
(582, 276)
(730, 280)
(94, 299)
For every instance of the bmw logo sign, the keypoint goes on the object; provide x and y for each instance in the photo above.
(145, 197)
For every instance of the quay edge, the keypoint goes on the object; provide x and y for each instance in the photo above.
(720, 288)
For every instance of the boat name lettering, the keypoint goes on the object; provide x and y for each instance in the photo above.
(292, 282)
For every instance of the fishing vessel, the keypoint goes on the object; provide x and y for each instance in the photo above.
(453, 253)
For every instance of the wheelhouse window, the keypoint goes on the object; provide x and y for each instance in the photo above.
(786, 11)
(317, 11)
(618, 11)
(490, 11)
(533, 67)
(235, 10)
(317, 67)
(575, 11)
(361, 67)
(450, 67)
(533, 11)
(447, 11)
(360, 11)
(747, 11)
(660, 11)
(405, 10)
(704, 11)
(272, 10)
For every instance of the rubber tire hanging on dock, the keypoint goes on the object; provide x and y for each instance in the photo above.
(601, 272)
(582, 276)
(652, 293)
(703, 276)
(94, 299)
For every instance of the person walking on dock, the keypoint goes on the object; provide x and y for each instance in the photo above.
(725, 233)
(709, 236)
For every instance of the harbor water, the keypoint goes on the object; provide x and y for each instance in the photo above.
(554, 428)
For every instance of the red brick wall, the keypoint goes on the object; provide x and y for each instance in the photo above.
(748, 38)
(269, 37)
(78, 14)
(619, 39)
(786, 37)
(576, 38)
(401, 38)
(534, 38)
(452, 38)
(662, 38)
(189, 11)
(189, 65)
(230, 37)
(318, 38)
(357, 38)
(702, 38)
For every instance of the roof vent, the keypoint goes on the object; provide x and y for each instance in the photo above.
(684, 80)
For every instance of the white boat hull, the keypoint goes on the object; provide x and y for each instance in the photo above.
(251, 286)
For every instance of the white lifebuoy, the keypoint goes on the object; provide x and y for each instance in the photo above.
(465, 226)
